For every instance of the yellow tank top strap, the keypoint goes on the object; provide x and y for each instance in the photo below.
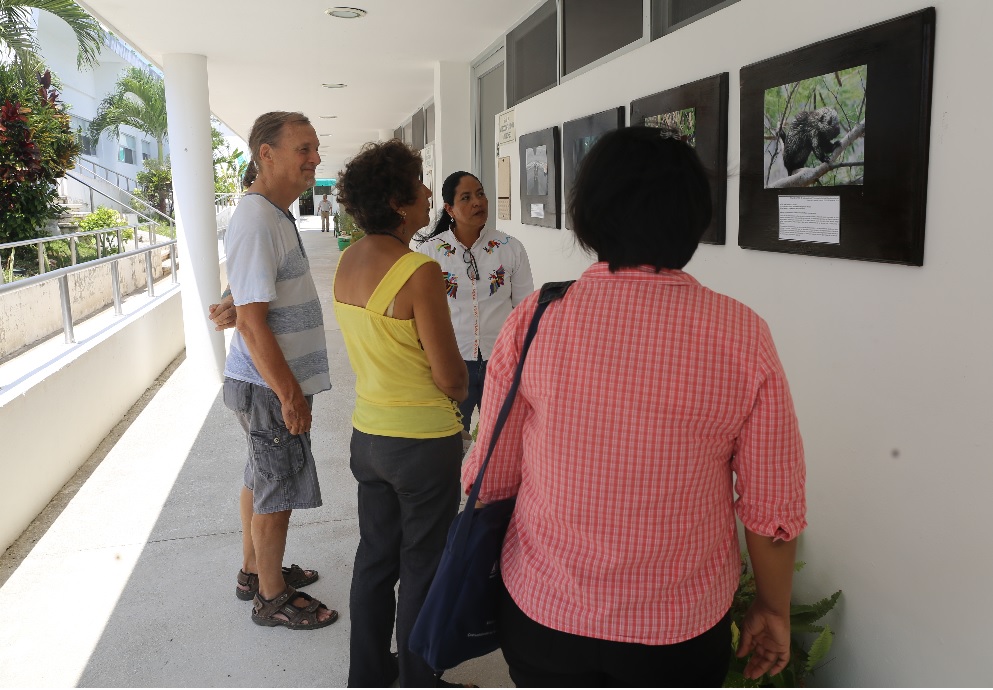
(395, 279)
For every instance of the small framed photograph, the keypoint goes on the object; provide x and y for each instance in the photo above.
(814, 180)
(578, 137)
(698, 111)
(540, 178)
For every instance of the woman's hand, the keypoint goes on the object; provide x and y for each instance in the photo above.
(765, 634)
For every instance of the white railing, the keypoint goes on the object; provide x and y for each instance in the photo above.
(62, 274)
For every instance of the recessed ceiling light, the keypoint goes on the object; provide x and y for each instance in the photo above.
(334, 86)
(328, 117)
(325, 135)
(346, 12)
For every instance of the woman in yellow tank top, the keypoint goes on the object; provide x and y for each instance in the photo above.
(406, 448)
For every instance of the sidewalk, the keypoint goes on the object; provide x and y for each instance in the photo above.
(132, 583)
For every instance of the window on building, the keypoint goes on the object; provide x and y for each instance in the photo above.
(81, 128)
(146, 150)
(592, 29)
(429, 124)
(417, 130)
(532, 55)
(126, 152)
(669, 15)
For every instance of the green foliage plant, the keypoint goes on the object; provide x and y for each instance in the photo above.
(102, 219)
(155, 184)
(138, 101)
(18, 34)
(37, 146)
(804, 660)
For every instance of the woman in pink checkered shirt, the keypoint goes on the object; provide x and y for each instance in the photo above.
(647, 402)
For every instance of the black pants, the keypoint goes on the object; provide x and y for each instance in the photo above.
(408, 495)
(477, 376)
(542, 657)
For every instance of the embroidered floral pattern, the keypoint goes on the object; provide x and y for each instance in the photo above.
(451, 284)
(446, 248)
(493, 244)
(497, 279)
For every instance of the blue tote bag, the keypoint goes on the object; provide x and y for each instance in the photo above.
(459, 618)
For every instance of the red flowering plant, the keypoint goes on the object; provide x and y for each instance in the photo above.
(37, 146)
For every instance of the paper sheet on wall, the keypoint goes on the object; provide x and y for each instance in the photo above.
(503, 209)
(537, 210)
(810, 219)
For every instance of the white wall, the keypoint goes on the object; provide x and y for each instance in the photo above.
(52, 422)
(890, 366)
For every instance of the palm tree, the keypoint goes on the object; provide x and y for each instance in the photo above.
(138, 101)
(17, 34)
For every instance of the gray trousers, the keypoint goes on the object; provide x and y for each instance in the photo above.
(409, 492)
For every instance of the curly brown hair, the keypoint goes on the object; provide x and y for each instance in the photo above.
(380, 174)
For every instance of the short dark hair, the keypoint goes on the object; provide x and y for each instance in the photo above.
(380, 174)
(641, 197)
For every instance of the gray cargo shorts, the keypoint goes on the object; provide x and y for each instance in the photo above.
(280, 472)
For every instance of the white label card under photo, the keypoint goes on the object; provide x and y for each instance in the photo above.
(537, 210)
(810, 219)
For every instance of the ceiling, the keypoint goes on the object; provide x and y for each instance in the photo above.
(264, 55)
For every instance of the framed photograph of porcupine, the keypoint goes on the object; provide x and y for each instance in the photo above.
(816, 177)
(698, 112)
(541, 180)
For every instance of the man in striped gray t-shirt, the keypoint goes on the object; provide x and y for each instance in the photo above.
(278, 361)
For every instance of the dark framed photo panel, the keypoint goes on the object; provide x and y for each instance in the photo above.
(699, 110)
(540, 178)
(814, 179)
(578, 137)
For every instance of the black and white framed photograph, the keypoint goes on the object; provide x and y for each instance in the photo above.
(540, 178)
(814, 179)
(578, 137)
(698, 113)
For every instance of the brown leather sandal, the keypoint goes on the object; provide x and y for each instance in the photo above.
(294, 576)
(265, 611)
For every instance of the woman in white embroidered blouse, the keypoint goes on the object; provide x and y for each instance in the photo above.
(486, 275)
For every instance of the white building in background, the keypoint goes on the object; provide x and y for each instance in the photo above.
(117, 160)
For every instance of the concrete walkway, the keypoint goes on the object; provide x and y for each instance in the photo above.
(127, 579)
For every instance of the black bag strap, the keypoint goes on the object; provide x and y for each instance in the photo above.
(549, 293)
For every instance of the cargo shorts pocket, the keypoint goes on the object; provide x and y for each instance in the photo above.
(278, 453)
(237, 395)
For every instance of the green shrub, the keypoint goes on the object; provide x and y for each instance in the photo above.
(102, 219)
(155, 184)
(37, 146)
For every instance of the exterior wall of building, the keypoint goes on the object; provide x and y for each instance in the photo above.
(890, 366)
(83, 90)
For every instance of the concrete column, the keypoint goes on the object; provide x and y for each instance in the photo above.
(452, 118)
(188, 107)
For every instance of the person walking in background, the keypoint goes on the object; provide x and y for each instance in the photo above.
(277, 362)
(647, 401)
(486, 275)
(405, 449)
(324, 208)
